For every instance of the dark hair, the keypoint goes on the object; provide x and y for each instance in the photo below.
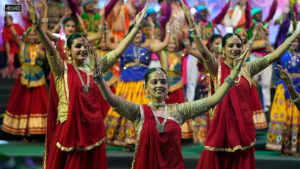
(227, 36)
(147, 74)
(9, 17)
(143, 35)
(67, 19)
(73, 36)
(214, 37)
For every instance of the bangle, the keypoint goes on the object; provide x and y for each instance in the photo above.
(44, 20)
(192, 29)
(169, 31)
(97, 77)
(230, 81)
(137, 26)
(296, 100)
(196, 35)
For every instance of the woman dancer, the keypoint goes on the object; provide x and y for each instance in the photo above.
(231, 134)
(284, 126)
(134, 64)
(26, 111)
(74, 107)
(158, 124)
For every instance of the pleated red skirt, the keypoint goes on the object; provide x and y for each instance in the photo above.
(227, 160)
(26, 111)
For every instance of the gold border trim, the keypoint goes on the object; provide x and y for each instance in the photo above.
(68, 149)
(235, 148)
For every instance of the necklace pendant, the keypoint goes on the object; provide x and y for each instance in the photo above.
(85, 89)
(160, 128)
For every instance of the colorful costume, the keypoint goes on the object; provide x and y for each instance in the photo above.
(284, 124)
(171, 63)
(207, 27)
(134, 64)
(91, 22)
(161, 149)
(238, 17)
(75, 126)
(231, 134)
(14, 50)
(26, 111)
(261, 47)
(117, 19)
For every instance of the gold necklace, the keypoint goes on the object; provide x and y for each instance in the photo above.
(85, 87)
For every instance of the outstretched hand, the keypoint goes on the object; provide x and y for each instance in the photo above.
(139, 17)
(32, 13)
(93, 65)
(283, 73)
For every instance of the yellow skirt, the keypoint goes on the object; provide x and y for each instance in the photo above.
(119, 130)
(283, 134)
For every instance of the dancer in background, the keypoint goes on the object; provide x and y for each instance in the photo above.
(26, 111)
(261, 47)
(283, 134)
(259, 117)
(11, 37)
(76, 104)
(206, 27)
(231, 134)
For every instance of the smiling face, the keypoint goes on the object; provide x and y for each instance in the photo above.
(138, 37)
(233, 47)
(258, 16)
(78, 50)
(171, 45)
(32, 37)
(157, 85)
(204, 15)
(69, 27)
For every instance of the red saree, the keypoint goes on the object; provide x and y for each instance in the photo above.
(231, 133)
(77, 142)
(158, 150)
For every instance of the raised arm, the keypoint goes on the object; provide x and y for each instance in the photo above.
(272, 11)
(53, 57)
(295, 97)
(209, 59)
(260, 64)
(125, 108)
(108, 60)
(218, 19)
(198, 107)
(158, 45)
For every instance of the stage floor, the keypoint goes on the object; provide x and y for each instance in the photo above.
(16, 152)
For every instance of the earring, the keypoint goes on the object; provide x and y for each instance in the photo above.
(69, 58)
(167, 97)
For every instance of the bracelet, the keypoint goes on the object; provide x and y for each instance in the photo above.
(230, 81)
(192, 29)
(296, 100)
(169, 31)
(97, 77)
(197, 35)
(137, 26)
(44, 20)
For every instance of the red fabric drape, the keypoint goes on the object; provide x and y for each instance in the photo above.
(158, 150)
